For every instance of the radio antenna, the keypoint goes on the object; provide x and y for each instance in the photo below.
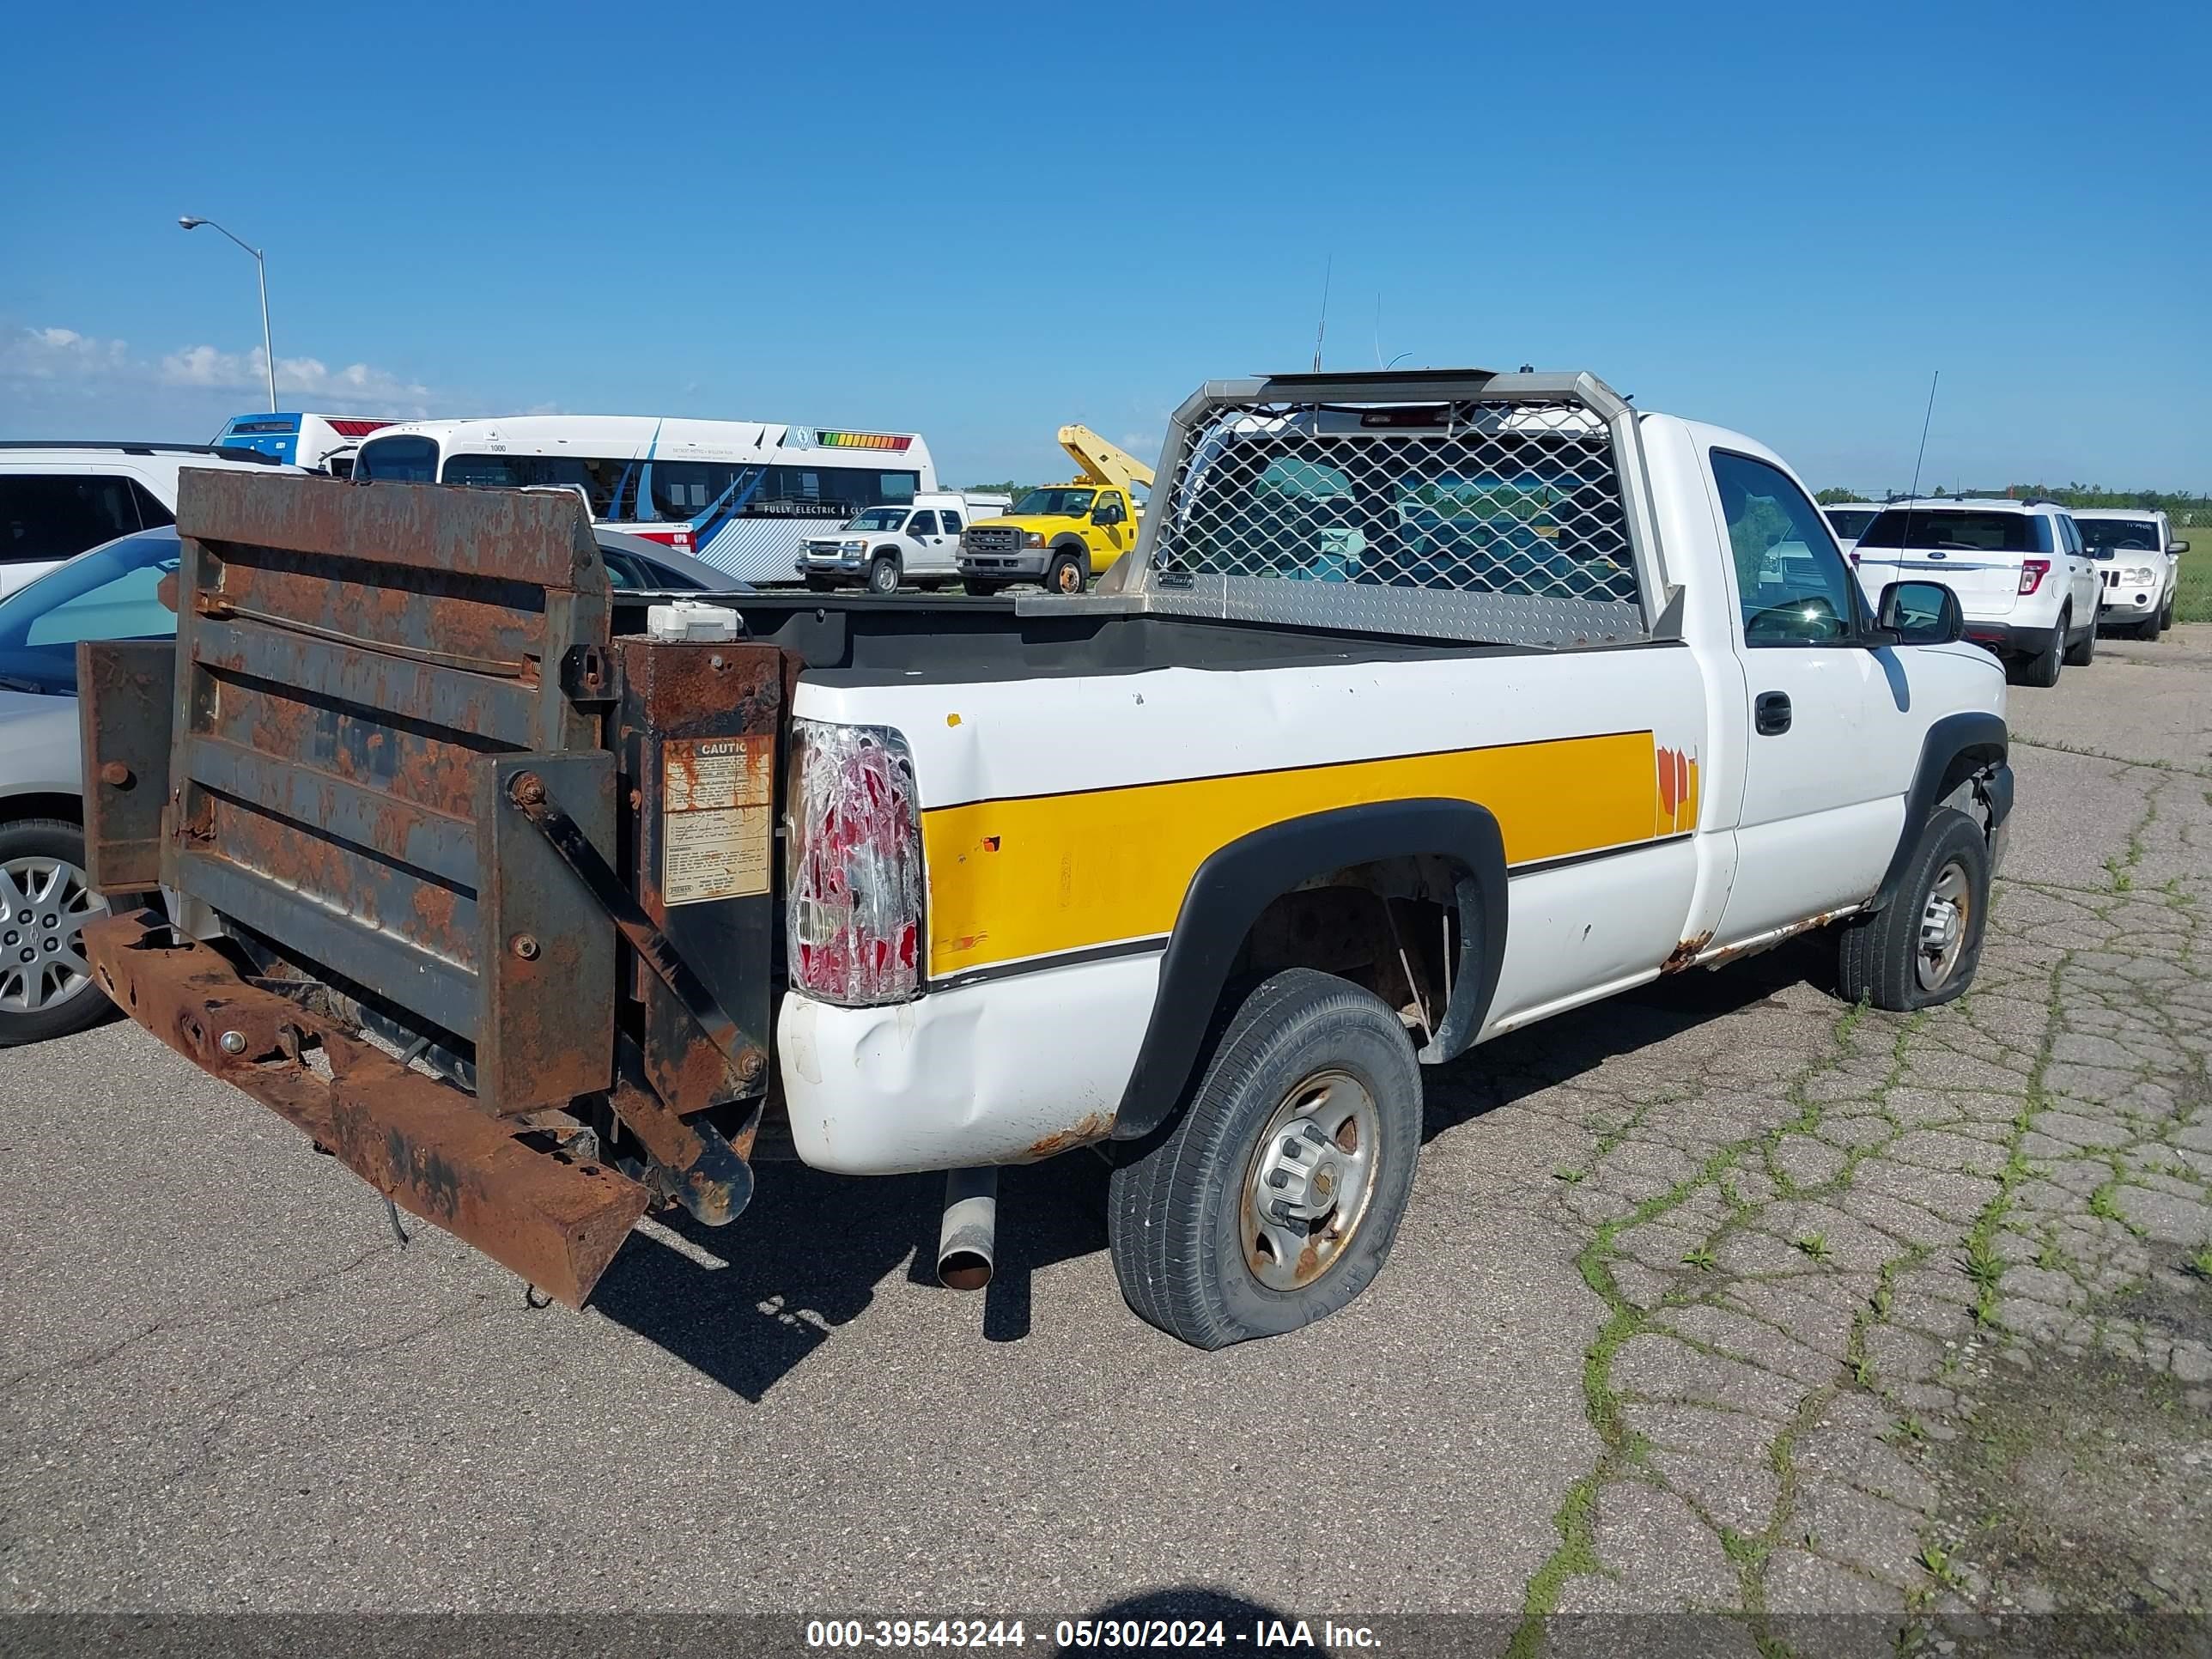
(1913, 494)
(1320, 332)
(1924, 421)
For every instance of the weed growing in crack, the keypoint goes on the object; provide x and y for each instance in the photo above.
(2199, 1266)
(1937, 1561)
(1570, 1175)
(1702, 1258)
(1911, 1429)
(1983, 1265)
(1815, 1245)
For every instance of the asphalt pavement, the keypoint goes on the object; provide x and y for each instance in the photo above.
(1677, 1270)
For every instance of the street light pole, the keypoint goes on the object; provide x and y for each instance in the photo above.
(190, 222)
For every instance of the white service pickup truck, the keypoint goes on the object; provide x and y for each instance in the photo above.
(1430, 705)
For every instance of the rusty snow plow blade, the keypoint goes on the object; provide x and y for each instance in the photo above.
(501, 1184)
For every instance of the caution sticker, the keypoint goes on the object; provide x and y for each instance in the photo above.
(718, 796)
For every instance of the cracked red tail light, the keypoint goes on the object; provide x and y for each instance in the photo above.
(853, 860)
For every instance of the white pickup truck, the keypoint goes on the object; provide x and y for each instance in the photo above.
(1430, 705)
(885, 547)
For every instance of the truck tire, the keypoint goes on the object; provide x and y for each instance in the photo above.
(819, 584)
(1310, 1106)
(47, 990)
(1922, 948)
(884, 573)
(1065, 574)
(2151, 626)
(2083, 652)
(2042, 669)
(983, 588)
(2165, 610)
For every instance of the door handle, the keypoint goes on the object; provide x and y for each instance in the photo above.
(1771, 713)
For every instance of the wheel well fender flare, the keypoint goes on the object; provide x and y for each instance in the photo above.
(1971, 736)
(1238, 881)
(1070, 543)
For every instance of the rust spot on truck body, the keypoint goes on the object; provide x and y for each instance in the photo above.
(1686, 954)
(1089, 1127)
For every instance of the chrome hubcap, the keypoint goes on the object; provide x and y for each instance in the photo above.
(1310, 1178)
(43, 905)
(1943, 924)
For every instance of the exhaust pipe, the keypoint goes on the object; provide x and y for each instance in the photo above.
(967, 1241)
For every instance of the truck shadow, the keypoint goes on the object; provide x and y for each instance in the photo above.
(747, 1303)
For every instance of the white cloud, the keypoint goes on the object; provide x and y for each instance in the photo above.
(53, 353)
(357, 385)
(65, 362)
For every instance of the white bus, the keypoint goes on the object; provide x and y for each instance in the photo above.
(739, 494)
(322, 443)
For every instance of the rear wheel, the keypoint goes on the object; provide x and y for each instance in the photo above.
(2083, 651)
(1270, 1200)
(884, 573)
(2042, 668)
(46, 988)
(1922, 948)
(1064, 574)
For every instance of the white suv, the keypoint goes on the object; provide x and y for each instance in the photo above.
(2139, 563)
(2023, 576)
(56, 500)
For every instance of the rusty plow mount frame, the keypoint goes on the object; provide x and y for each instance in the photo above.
(396, 765)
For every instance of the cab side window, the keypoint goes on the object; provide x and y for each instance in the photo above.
(1792, 586)
(922, 524)
(47, 516)
(951, 521)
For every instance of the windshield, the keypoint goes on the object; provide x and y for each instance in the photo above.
(2104, 535)
(1962, 529)
(1850, 521)
(402, 459)
(1055, 504)
(106, 594)
(878, 518)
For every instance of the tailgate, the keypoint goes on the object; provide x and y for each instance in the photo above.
(1987, 584)
(408, 780)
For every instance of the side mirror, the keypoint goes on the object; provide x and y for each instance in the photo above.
(1921, 613)
(2177, 548)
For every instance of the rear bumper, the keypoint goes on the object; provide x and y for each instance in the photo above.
(496, 1183)
(2012, 639)
(1008, 1071)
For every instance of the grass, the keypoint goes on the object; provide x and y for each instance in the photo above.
(2192, 594)
(1702, 1258)
(1815, 1245)
(2199, 1266)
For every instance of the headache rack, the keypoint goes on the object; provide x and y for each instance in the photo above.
(415, 812)
(1455, 504)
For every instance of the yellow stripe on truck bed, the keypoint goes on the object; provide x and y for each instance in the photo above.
(1038, 875)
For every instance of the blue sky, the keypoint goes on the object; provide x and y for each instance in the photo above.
(982, 222)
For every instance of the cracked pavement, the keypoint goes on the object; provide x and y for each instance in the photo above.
(1721, 1297)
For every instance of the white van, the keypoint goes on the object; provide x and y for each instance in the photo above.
(56, 500)
(886, 547)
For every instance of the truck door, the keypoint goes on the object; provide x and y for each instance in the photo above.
(1830, 754)
(926, 544)
(944, 556)
(1112, 534)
